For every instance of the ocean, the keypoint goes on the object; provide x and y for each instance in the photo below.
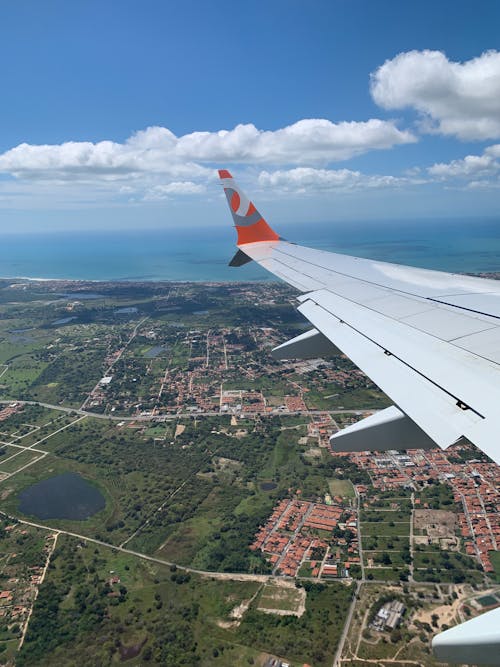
(466, 245)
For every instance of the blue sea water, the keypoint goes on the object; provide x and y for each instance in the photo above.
(466, 245)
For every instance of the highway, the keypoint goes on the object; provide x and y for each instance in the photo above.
(233, 576)
(177, 415)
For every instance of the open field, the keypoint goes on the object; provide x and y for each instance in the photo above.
(16, 459)
(202, 620)
(341, 487)
(282, 599)
(401, 528)
(495, 561)
(434, 564)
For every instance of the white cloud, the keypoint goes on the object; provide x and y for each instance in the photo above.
(159, 192)
(156, 150)
(485, 184)
(307, 141)
(453, 98)
(472, 166)
(107, 160)
(306, 180)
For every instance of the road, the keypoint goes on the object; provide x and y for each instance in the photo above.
(176, 415)
(118, 356)
(347, 624)
(233, 576)
(412, 518)
(45, 568)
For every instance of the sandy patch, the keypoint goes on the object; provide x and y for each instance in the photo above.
(283, 599)
(179, 430)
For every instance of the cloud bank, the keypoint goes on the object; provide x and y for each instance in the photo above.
(307, 180)
(453, 98)
(460, 99)
(478, 171)
(157, 150)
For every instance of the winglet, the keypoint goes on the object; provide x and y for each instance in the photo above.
(249, 223)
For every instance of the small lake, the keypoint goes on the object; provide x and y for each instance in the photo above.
(66, 496)
(63, 320)
(154, 352)
(82, 296)
(268, 486)
(126, 311)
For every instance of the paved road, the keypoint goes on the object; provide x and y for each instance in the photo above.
(347, 625)
(358, 531)
(176, 415)
(412, 519)
(234, 576)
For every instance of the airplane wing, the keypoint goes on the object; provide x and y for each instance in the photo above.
(430, 340)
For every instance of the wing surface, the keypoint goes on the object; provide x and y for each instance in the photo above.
(430, 340)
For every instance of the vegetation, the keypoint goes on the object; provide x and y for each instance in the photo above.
(153, 615)
(438, 496)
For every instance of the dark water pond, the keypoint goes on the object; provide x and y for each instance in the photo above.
(82, 296)
(154, 352)
(66, 496)
(63, 320)
(126, 311)
(268, 486)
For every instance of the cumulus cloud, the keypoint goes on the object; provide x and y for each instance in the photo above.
(307, 180)
(159, 192)
(453, 98)
(471, 166)
(307, 141)
(157, 150)
(106, 159)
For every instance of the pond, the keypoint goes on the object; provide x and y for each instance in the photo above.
(65, 496)
(268, 486)
(154, 352)
(63, 320)
(82, 296)
(129, 310)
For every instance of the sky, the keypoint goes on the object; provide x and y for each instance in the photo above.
(116, 115)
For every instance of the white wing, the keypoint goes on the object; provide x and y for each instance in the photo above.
(429, 340)
(474, 642)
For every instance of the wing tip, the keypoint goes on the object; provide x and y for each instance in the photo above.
(249, 223)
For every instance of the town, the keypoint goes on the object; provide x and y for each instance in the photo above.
(188, 454)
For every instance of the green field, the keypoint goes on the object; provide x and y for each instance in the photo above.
(495, 561)
(488, 600)
(170, 618)
(437, 565)
(279, 597)
(386, 573)
(341, 487)
(401, 528)
(17, 458)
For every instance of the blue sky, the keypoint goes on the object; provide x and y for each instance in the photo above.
(332, 110)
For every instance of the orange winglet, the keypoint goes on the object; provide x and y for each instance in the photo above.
(259, 231)
(249, 223)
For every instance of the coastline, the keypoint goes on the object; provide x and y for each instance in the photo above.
(182, 256)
